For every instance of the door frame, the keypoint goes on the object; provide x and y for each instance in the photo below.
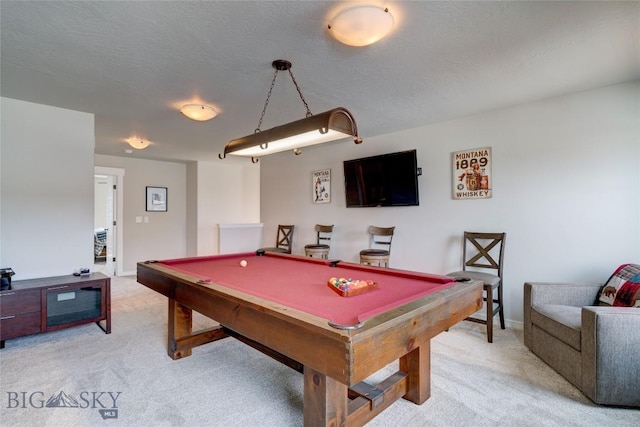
(119, 214)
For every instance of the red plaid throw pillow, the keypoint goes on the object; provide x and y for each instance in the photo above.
(623, 287)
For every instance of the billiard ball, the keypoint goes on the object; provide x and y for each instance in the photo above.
(243, 263)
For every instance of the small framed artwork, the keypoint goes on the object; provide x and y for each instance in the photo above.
(156, 199)
(321, 183)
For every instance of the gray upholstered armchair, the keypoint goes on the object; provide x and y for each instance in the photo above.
(595, 348)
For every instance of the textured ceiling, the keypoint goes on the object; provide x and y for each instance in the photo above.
(133, 63)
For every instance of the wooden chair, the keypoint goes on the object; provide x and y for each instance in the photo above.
(284, 240)
(379, 250)
(480, 251)
(323, 239)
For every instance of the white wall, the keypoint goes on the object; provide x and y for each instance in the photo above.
(566, 189)
(200, 196)
(46, 219)
(226, 192)
(164, 236)
(192, 209)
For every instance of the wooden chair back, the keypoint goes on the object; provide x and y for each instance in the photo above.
(484, 250)
(284, 237)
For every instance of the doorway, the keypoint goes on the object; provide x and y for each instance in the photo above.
(108, 238)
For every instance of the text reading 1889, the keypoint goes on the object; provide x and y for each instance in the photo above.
(464, 164)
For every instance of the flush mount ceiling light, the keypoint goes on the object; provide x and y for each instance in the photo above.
(331, 125)
(361, 25)
(138, 143)
(199, 112)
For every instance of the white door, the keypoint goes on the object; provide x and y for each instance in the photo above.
(110, 206)
(112, 202)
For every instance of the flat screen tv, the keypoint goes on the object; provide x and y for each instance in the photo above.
(385, 180)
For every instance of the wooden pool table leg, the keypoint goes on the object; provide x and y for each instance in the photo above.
(180, 325)
(417, 365)
(325, 400)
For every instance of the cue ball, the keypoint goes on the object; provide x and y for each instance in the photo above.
(243, 263)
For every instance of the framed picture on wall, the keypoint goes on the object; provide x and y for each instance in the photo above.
(321, 182)
(156, 199)
(472, 174)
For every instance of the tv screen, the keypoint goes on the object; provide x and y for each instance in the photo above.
(385, 180)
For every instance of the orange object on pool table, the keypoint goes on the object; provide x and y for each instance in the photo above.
(281, 305)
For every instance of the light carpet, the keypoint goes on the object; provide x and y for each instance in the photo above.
(226, 383)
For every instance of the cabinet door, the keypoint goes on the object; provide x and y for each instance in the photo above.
(18, 325)
(70, 305)
(19, 302)
(19, 313)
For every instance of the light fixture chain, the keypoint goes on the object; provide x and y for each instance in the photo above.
(300, 93)
(271, 141)
(266, 102)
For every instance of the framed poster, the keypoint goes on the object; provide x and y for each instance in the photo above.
(472, 174)
(156, 199)
(321, 186)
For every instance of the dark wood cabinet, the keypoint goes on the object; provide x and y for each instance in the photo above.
(20, 313)
(52, 303)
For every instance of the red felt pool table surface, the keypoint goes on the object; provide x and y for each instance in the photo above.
(301, 283)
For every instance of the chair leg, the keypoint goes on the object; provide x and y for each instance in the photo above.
(489, 301)
(501, 309)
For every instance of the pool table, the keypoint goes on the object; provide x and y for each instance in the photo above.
(283, 306)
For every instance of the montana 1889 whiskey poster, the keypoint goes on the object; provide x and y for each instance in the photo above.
(472, 174)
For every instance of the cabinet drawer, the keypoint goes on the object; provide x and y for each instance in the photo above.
(19, 301)
(13, 326)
